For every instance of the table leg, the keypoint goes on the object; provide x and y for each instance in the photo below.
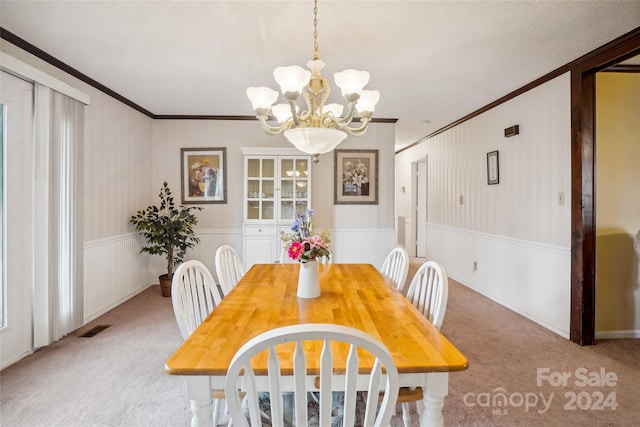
(199, 392)
(435, 390)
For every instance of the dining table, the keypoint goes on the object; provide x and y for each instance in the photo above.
(355, 295)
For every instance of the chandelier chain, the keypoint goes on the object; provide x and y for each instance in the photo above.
(315, 29)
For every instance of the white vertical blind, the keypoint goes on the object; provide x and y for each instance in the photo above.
(67, 128)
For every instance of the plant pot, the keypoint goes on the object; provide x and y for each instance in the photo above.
(165, 285)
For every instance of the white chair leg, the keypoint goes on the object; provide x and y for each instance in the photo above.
(406, 419)
(217, 403)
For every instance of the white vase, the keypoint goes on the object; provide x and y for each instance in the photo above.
(308, 283)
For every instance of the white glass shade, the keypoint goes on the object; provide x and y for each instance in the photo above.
(351, 81)
(261, 97)
(282, 112)
(368, 101)
(335, 109)
(315, 140)
(291, 79)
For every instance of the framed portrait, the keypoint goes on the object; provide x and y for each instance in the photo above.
(355, 177)
(204, 175)
(493, 168)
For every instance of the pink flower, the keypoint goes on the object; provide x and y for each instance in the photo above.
(295, 250)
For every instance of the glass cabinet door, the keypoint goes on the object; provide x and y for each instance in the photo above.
(294, 187)
(260, 188)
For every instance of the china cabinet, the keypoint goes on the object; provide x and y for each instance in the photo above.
(277, 186)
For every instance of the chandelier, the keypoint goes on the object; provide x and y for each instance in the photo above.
(321, 127)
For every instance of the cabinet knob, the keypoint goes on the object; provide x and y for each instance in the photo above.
(259, 230)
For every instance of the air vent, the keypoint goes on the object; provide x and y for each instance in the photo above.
(94, 331)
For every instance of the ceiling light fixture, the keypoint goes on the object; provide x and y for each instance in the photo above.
(319, 128)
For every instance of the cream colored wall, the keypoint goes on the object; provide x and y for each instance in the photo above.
(171, 135)
(617, 204)
(516, 232)
(117, 156)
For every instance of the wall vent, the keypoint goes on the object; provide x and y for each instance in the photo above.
(94, 331)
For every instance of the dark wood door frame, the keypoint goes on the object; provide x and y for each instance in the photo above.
(583, 214)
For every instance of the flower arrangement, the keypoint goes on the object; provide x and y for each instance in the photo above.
(302, 243)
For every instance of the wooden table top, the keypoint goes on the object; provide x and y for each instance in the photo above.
(355, 295)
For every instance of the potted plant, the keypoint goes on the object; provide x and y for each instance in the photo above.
(168, 231)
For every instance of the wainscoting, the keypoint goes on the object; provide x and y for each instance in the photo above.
(529, 278)
(115, 270)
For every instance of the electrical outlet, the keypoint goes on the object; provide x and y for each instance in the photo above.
(461, 199)
(475, 265)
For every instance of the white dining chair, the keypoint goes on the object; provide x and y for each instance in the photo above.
(194, 295)
(240, 375)
(428, 292)
(229, 268)
(396, 267)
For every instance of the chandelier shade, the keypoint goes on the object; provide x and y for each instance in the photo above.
(315, 141)
(320, 127)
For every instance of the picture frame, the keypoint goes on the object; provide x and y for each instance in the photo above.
(493, 168)
(203, 175)
(355, 177)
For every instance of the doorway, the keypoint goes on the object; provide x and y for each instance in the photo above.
(419, 172)
(583, 226)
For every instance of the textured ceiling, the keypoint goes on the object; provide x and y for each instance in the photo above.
(433, 61)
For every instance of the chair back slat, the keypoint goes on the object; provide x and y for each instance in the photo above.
(428, 292)
(229, 268)
(194, 295)
(396, 266)
(326, 367)
(388, 383)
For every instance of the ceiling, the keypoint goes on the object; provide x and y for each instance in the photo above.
(434, 62)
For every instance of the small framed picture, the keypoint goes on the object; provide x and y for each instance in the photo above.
(355, 177)
(204, 175)
(493, 168)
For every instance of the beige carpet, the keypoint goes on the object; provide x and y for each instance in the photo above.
(116, 377)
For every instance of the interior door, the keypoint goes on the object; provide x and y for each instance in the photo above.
(17, 236)
(421, 208)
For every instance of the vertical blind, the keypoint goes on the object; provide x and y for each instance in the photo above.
(67, 129)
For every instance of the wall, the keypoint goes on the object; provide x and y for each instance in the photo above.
(516, 233)
(117, 178)
(617, 205)
(360, 233)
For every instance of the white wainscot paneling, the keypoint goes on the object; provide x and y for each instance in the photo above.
(210, 241)
(115, 270)
(362, 246)
(529, 278)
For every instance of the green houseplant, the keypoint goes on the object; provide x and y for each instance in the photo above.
(168, 230)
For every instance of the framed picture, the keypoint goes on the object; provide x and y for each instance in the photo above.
(355, 177)
(493, 168)
(204, 175)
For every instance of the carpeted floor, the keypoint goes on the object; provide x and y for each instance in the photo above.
(116, 377)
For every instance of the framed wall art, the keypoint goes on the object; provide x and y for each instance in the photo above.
(355, 177)
(493, 168)
(204, 175)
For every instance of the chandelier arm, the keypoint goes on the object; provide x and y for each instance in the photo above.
(274, 130)
(294, 113)
(360, 130)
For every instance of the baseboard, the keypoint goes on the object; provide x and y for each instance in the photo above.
(601, 335)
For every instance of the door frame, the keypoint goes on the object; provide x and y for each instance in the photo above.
(414, 204)
(583, 214)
